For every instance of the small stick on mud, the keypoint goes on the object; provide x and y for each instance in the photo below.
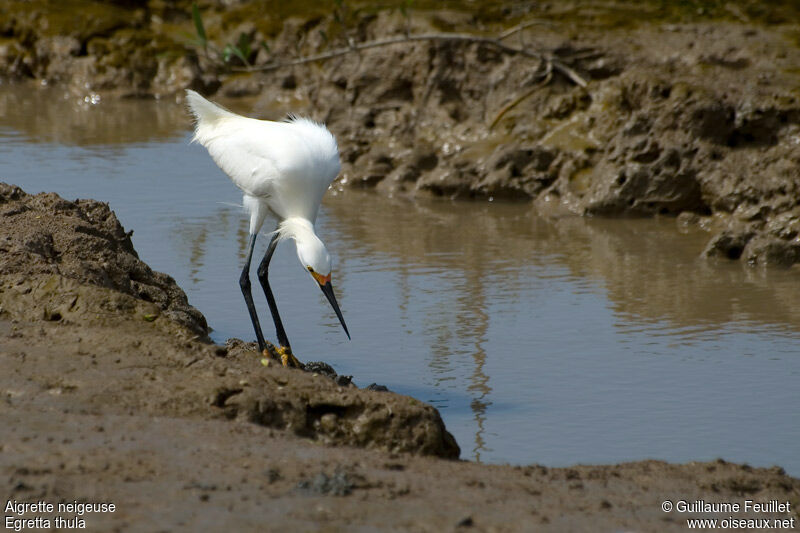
(548, 75)
(440, 37)
(519, 27)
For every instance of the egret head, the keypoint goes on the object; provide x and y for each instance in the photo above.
(317, 261)
(314, 257)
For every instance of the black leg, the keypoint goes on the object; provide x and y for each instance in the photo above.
(263, 277)
(244, 283)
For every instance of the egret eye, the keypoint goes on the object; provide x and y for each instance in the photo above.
(310, 270)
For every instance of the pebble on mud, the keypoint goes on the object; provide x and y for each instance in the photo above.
(338, 484)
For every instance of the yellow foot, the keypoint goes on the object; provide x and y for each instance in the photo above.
(282, 353)
(269, 354)
(287, 357)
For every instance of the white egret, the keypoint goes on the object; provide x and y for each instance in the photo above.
(282, 167)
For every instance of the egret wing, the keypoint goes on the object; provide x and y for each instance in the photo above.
(291, 163)
(249, 159)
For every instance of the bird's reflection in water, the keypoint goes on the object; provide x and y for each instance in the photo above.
(194, 239)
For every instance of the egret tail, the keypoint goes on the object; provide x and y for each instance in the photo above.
(206, 114)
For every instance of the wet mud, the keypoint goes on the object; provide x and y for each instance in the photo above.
(111, 392)
(111, 388)
(72, 266)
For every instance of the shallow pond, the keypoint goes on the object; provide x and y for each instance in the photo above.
(540, 340)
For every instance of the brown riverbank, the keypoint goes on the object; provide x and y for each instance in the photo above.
(112, 393)
(688, 110)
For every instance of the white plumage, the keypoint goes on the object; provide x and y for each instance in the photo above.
(283, 167)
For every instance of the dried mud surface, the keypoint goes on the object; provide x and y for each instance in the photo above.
(108, 395)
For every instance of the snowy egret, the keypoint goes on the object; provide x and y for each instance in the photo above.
(282, 167)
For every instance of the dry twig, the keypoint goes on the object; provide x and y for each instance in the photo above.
(548, 75)
(437, 37)
(519, 27)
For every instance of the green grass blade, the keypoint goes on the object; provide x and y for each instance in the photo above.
(198, 24)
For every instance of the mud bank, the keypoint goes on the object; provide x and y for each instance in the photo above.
(131, 342)
(689, 111)
(112, 392)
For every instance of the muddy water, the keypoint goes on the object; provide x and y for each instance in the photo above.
(549, 341)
